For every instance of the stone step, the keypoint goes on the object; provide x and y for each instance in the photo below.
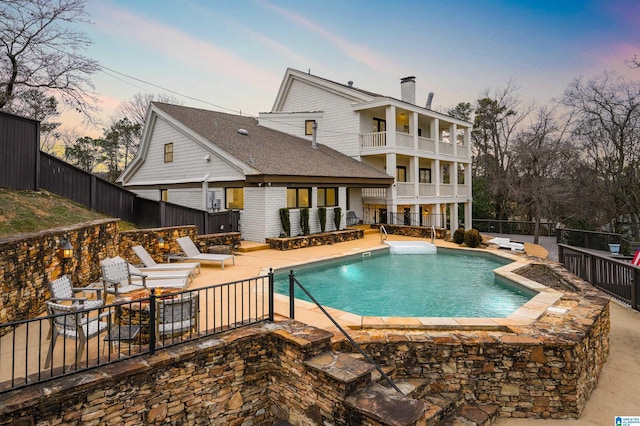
(472, 415)
(341, 367)
(248, 246)
(384, 406)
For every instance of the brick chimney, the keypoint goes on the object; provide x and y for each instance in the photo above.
(408, 90)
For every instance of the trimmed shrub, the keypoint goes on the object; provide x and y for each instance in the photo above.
(285, 221)
(458, 236)
(322, 218)
(472, 238)
(337, 217)
(304, 221)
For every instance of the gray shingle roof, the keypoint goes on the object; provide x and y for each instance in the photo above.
(269, 151)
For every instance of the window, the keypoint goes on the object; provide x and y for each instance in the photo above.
(327, 197)
(168, 152)
(308, 126)
(164, 195)
(401, 174)
(298, 197)
(425, 175)
(379, 125)
(234, 198)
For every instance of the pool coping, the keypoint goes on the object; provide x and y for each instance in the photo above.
(526, 314)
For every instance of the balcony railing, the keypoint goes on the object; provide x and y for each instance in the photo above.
(373, 140)
(374, 193)
(427, 189)
(447, 190)
(404, 189)
(426, 144)
(404, 140)
(446, 148)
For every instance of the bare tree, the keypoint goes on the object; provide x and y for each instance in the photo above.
(135, 109)
(497, 119)
(607, 130)
(540, 153)
(40, 50)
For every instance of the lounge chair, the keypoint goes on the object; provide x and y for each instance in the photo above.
(506, 243)
(151, 265)
(118, 277)
(191, 252)
(155, 275)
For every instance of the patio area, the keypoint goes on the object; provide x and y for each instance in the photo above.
(609, 398)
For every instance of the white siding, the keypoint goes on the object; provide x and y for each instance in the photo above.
(355, 202)
(188, 160)
(188, 197)
(261, 216)
(338, 116)
(150, 194)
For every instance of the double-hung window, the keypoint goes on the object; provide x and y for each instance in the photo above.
(168, 152)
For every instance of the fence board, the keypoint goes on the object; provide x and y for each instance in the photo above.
(19, 152)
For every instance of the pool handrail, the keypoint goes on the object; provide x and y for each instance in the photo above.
(386, 237)
(293, 280)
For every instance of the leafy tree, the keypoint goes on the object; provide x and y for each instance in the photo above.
(40, 50)
(119, 144)
(462, 111)
(36, 104)
(495, 124)
(84, 153)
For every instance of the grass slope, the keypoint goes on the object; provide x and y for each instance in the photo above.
(30, 211)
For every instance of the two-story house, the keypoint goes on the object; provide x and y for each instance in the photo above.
(428, 152)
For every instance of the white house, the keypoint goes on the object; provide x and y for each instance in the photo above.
(214, 161)
(429, 153)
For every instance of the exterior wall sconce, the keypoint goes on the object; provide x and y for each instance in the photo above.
(162, 244)
(66, 249)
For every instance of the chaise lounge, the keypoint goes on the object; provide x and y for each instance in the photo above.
(191, 252)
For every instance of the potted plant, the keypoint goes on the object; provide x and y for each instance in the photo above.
(614, 248)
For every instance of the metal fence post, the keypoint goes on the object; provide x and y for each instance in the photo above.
(152, 322)
(292, 313)
(271, 290)
(635, 289)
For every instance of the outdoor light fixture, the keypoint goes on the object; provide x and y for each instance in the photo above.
(162, 244)
(66, 249)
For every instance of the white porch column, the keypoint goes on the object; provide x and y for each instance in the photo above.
(415, 176)
(454, 216)
(414, 129)
(435, 134)
(390, 117)
(453, 138)
(436, 176)
(438, 219)
(467, 141)
(468, 218)
(454, 178)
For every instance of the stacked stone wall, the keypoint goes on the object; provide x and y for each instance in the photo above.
(28, 262)
(413, 231)
(319, 239)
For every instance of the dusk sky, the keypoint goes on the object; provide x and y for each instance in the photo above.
(233, 54)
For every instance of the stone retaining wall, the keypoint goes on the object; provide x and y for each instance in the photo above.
(319, 239)
(413, 231)
(28, 262)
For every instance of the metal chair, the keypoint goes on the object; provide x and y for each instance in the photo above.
(176, 315)
(73, 323)
(62, 290)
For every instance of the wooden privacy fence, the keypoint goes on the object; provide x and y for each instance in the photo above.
(617, 278)
(100, 195)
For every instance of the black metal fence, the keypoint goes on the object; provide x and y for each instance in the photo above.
(100, 195)
(129, 328)
(547, 229)
(618, 278)
(596, 240)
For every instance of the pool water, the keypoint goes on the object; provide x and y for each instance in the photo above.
(409, 285)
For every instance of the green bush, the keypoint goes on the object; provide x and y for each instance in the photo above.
(472, 238)
(285, 221)
(458, 236)
(304, 221)
(337, 217)
(322, 218)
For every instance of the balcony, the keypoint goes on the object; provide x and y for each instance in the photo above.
(373, 140)
(404, 189)
(426, 144)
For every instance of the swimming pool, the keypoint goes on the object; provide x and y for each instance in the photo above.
(445, 284)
